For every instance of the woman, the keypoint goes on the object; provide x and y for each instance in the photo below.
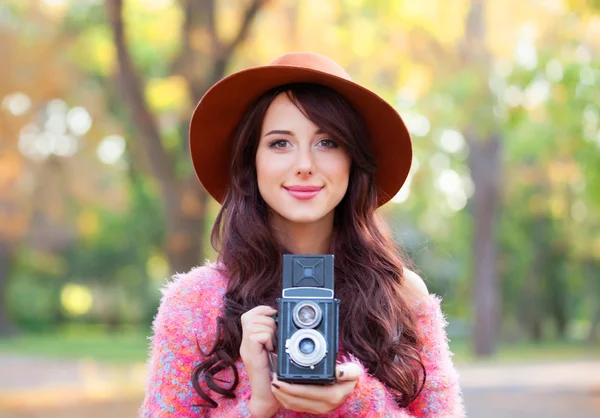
(300, 157)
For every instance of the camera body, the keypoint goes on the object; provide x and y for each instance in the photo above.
(307, 320)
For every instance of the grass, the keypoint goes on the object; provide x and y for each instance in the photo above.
(109, 348)
(527, 351)
(132, 347)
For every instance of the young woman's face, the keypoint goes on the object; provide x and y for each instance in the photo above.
(302, 173)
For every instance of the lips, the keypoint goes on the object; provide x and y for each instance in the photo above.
(304, 188)
(303, 192)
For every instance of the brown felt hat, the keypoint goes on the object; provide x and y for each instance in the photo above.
(221, 109)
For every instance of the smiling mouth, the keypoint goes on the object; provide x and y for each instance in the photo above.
(303, 193)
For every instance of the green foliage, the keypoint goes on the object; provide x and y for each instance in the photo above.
(89, 343)
(32, 293)
(117, 258)
(551, 161)
(112, 264)
(81, 15)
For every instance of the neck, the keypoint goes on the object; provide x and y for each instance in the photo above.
(305, 238)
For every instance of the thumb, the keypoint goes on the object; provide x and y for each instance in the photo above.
(347, 372)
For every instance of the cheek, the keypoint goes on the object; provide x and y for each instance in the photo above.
(272, 166)
(262, 175)
(340, 170)
(268, 173)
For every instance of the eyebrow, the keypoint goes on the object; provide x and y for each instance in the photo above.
(283, 132)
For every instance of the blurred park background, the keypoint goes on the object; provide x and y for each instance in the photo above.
(99, 205)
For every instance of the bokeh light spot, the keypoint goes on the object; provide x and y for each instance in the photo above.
(76, 299)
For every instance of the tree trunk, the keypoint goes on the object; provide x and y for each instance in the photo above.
(186, 212)
(591, 277)
(484, 163)
(485, 166)
(184, 198)
(557, 288)
(6, 258)
(532, 297)
(592, 337)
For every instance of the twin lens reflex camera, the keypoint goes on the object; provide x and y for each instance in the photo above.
(307, 322)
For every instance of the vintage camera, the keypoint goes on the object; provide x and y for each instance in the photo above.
(307, 323)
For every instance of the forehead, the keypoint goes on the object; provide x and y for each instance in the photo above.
(282, 111)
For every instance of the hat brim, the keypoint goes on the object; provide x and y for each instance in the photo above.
(221, 109)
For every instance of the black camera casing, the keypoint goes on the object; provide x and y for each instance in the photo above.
(308, 281)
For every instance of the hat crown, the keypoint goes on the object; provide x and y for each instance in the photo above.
(312, 61)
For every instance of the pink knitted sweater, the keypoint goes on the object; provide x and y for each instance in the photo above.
(187, 313)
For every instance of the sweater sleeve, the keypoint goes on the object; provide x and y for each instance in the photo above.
(440, 396)
(186, 317)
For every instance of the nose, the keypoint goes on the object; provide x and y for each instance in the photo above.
(305, 164)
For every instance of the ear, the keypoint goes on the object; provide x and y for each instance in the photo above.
(413, 282)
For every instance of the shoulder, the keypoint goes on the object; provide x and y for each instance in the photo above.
(198, 282)
(415, 284)
(426, 305)
(191, 300)
(184, 323)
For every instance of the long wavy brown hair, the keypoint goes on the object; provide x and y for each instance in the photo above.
(377, 324)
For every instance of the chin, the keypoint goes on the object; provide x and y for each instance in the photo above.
(304, 216)
(303, 219)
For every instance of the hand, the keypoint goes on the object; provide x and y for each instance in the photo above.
(258, 332)
(317, 399)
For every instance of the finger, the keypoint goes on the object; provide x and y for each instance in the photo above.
(263, 320)
(258, 328)
(297, 404)
(259, 311)
(262, 329)
(316, 393)
(348, 372)
(263, 338)
(263, 310)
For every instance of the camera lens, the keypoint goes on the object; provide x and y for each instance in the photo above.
(307, 314)
(307, 346)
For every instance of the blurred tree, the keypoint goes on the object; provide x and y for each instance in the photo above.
(457, 97)
(202, 61)
(486, 172)
(23, 94)
(42, 188)
(469, 94)
(553, 151)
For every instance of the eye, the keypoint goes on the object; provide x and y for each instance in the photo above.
(328, 143)
(278, 144)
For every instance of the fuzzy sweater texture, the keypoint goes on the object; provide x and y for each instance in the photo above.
(187, 315)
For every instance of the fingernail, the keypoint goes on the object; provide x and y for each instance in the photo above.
(275, 385)
(341, 373)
